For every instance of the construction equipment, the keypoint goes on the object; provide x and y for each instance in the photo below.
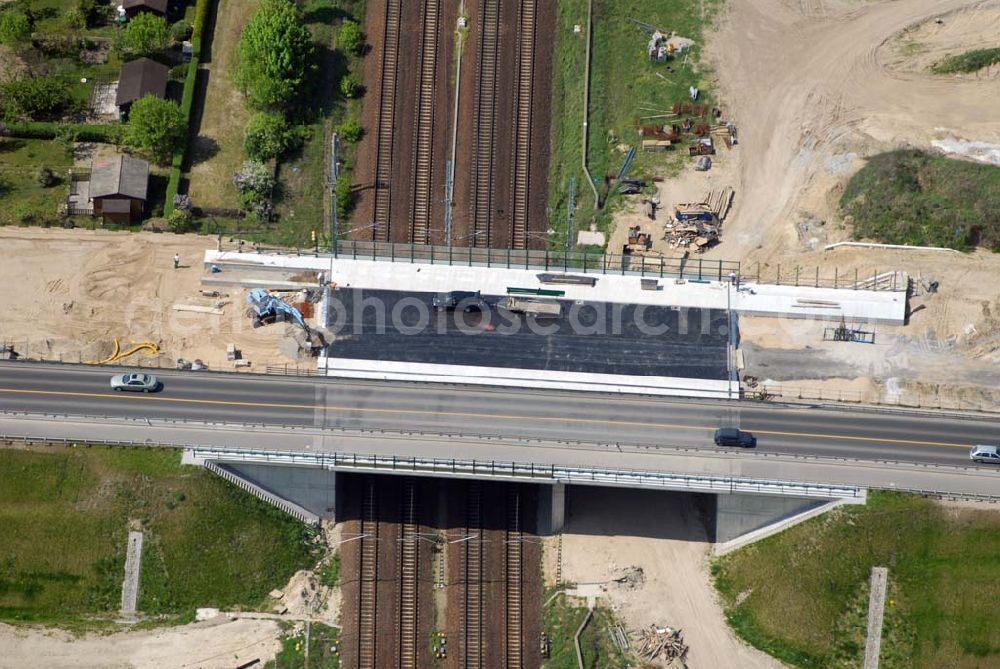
(266, 308)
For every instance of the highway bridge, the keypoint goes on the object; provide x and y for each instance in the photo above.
(372, 425)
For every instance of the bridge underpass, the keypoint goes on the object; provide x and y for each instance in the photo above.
(310, 486)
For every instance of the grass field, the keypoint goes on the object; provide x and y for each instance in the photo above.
(65, 515)
(803, 593)
(26, 201)
(217, 151)
(912, 197)
(623, 79)
(561, 618)
(970, 61)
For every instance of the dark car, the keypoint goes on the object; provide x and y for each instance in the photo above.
(730, 436)
(449, 301)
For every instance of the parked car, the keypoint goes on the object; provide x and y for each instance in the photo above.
(141, 383)
(983, 453)
(448, 301)
(730, 436)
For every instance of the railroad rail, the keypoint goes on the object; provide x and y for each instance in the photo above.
(484, 125)
(520, 177)
(368, 578)
(512, 592)
(386, 121)
(409, 555)
(423, 137)
(472, 553)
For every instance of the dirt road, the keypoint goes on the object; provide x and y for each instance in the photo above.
(664, 535)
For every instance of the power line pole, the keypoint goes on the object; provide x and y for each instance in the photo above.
(334, 169)
(570, 212)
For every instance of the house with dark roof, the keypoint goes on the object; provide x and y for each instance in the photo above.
(118, 188)
(134, 7)
(139, 78)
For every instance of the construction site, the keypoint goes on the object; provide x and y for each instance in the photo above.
(458, 149)
(746, 240)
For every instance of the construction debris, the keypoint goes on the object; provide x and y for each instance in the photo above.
(661, 643)
(696, 225)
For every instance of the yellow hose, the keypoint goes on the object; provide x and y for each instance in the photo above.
(149, 347)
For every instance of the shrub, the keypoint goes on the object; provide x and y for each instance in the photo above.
(268, 136)
(350, 86)
(180, 220)
(350, 37)
(349, 130)
(146, 34)
(14, 27)
(45, 177)
(345, 199)
(970, 61)
(182, 30)
(274, 55)
(255, 182)
(44, 97)
(155, 127)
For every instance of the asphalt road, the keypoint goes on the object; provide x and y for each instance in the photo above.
(534, 414)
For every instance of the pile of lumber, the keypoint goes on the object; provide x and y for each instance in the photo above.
(661, 643)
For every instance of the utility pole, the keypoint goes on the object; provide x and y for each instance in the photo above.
(307, 645)
(570, 212)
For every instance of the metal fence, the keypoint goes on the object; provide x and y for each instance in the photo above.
(904, 400)
(550, 260)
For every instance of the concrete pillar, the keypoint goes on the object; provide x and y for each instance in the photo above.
(551, 509)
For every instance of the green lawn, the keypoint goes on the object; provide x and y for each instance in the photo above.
(804, 592)
(913, 197)
(561, 618)
(25, 201)
(64, 519)
(623, 79)
(323, 640)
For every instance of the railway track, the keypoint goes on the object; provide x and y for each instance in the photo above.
(522, 125)
(409, 555)
(484, 124)
(386, 121)
(472, 624)
(368, 581)
(513, 548)
(424, 126)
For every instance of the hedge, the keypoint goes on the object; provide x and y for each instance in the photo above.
(85, 132)
(187, 101)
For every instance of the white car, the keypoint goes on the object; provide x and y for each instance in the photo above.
(982, 453)
(142, 383)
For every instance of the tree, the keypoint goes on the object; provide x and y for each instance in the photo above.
(182, 30)
(349, 37)
(255, 182)
(35, 97)
(269, 135)
(92, 12)
(349, 130)
(14, 27)
(273, 56)
(146, 34)
(155, 127)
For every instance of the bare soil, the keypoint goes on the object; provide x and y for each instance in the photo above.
(77, 290)
(611, 532)
(214, 644)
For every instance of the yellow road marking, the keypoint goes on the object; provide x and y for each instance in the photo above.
(464, 414)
